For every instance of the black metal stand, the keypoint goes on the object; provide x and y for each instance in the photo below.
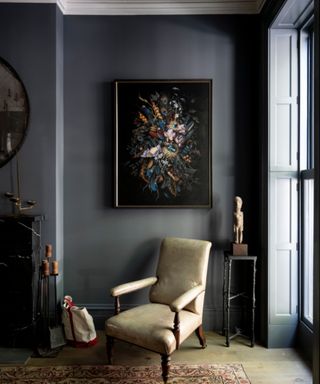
(228, 296)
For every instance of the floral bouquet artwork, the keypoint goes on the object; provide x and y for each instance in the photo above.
(163, 143)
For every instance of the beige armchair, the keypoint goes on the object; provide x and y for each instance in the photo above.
(176, 302)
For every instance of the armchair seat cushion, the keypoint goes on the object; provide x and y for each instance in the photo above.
(151, 326)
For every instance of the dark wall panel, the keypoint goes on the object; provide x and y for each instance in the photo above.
(106, 246)
(27, 42)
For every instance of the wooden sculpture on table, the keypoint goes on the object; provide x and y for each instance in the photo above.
(238, 248)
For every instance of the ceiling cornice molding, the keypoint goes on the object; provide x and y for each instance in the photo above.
(156, 7)
(152, 7)
(29, 1)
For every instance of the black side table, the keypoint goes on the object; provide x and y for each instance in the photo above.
(228, 296)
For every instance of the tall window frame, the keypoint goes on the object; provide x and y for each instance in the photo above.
(306, 165)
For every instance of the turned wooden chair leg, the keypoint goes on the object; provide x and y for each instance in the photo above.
(176, 329)
(109, 349)
(201, 336)
(165, 364)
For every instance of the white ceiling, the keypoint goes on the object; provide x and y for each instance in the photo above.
(152, 7)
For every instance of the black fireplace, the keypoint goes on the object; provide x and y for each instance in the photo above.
(20, 244)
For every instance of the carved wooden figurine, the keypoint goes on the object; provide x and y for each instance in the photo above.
(238, 221)
(238, 249)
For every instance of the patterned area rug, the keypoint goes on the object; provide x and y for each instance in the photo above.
(108, 374)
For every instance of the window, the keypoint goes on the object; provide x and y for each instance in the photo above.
(291, 176)
(307, 171)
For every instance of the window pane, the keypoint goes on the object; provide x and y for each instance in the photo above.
(307, 259)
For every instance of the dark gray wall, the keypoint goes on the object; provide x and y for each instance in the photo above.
(27, 42)
(68, 64)
(106, 246)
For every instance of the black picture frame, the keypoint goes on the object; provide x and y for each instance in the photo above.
(163, 143)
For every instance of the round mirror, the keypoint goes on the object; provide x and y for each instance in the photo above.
(14, 112)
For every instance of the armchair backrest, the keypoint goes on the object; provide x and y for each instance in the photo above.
(182, 265)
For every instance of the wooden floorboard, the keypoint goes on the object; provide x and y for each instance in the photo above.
(262, 365)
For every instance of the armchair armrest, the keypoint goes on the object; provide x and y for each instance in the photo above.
(179, 303)
(132, 286)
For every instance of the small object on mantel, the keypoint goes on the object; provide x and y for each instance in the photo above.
(237, 247)
(19, 206)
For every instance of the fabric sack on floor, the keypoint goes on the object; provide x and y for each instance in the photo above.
(78, 324)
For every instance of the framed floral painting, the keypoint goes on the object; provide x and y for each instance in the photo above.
(163, 143)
